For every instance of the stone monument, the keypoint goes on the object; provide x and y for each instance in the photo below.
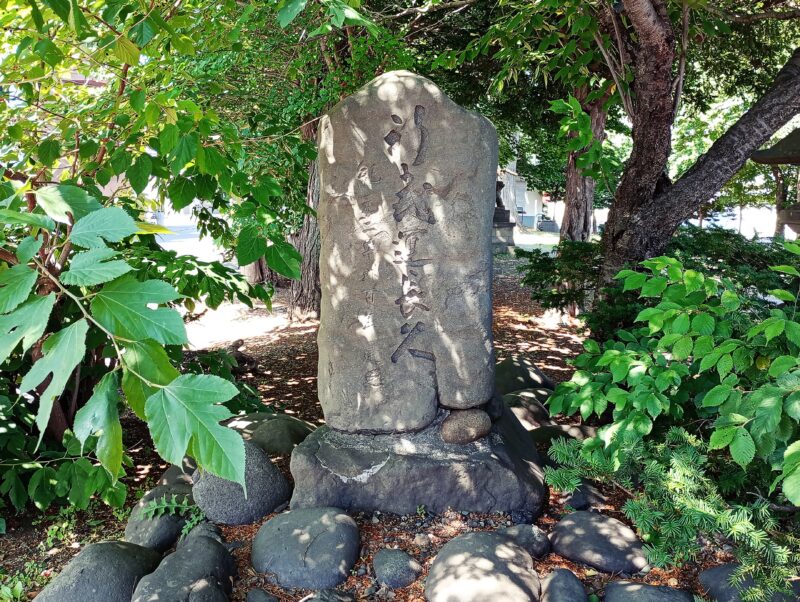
(502, 226)
(406, 358)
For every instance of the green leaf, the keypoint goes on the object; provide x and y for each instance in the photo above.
(7, 216)
(49, 151)
(138, 99)
(792, 331)
(121, 306)
(251, 245)
(704, 324)
(782, 364)
(786, 269)
(138, 174)
(783, 295)
(284, 259)
(48, 52)
(721, 438)
(91, 268)
(168, 138)
(289, 11)
(27, 324)
(181, 192)
(703, 346)
(267, 188)
(62, 200)
(654, 287)
(774, 329)
(724, 365)
(680, 324)
(62, 352)
(791, 474)
(28, 248)
(792, 405)
(100, 416)
(126, 51)
(185, 416)
(717, 396)
(184, 152)
(16, 284)
(634, 281)
(145, 360)
(730, 300)
(591, 346)
(109, 223)
(183, 44)
(693, 281)
(682, 348)
(742, 447)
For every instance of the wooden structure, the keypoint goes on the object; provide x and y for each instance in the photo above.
(785, 152)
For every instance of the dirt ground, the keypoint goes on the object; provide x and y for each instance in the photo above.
(283, 370)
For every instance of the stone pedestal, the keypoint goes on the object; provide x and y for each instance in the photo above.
(405, 338)
(502, 231)
(401, 472)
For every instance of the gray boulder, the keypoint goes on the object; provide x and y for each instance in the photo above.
(518, 372)
(259, 595)
(204, 529)
(176, 475)
(563, 586)
(584, 497)
(482, 566)
(530, 537)
(629, 591)
(103, 571)
(281, 434)
(716, 582)
(465, 426)
(329, 595)
(162, 531)
(546, 433)
(600, 541)
(395, 568)
(200, 570)
(312, 548)
(224, 501)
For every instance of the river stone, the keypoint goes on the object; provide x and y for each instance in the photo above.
(405, 217)
(280, 435)
(716, 582)
(629, 591)
(530, 537)
(259, 595)
(465, 426)
(203, 529)
(482, 566)
(398, 473)
(202, 569)
(584, 497)
(395, 568)
(103, 571)
(329, 595)
(312, 548)
(159, 532)
(528, 406)
(224, 501)
(563, 586)
(600, 541)
(176, 475)
(518, 372)
(545, 434)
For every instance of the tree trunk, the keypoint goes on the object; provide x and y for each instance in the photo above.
(648, 209)
(579, 196)
(305, 298)
(781, 196)
(255, 272)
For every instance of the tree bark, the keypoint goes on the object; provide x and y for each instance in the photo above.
(781, 196)
(255, 272)
(579, 196)
(305, 297)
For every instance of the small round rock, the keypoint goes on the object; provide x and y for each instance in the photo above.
(224, 501)
(530, 537)
(465, 426)
(259, 595)
(395, 568)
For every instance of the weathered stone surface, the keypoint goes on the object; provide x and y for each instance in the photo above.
(563, 586)
(629, 591)
(176, 475)
(280, 435)
(405, 217)
(200, 570)
(599, 541)
(398, 473)
(518, 372)
(159, 532)
(545, 434)
(312, 548)
(481, 566)
(204, 529)
(528, 407)
(465, 426)
(224, 501)
(259, 595)
(532, 539)
(103, 571)
(329, 595)
(395, 568)
(716, 582)
(584, 497)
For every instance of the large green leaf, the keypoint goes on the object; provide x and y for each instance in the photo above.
(791, 473)
(290, 10)
(743, 449)
(121, 306)
(145, 360)
(92, 267)
(181, 192)
(62, 352)
(251, 245)
(15, 286)
(184, 417)
(59, 202)
(284, 259)
(100, 416)
(27, 248)
(138, 174)
(27, 323)
(110, 223)
(8, 216)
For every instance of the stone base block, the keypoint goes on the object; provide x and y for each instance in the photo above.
(502, 237)
(400, 472)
